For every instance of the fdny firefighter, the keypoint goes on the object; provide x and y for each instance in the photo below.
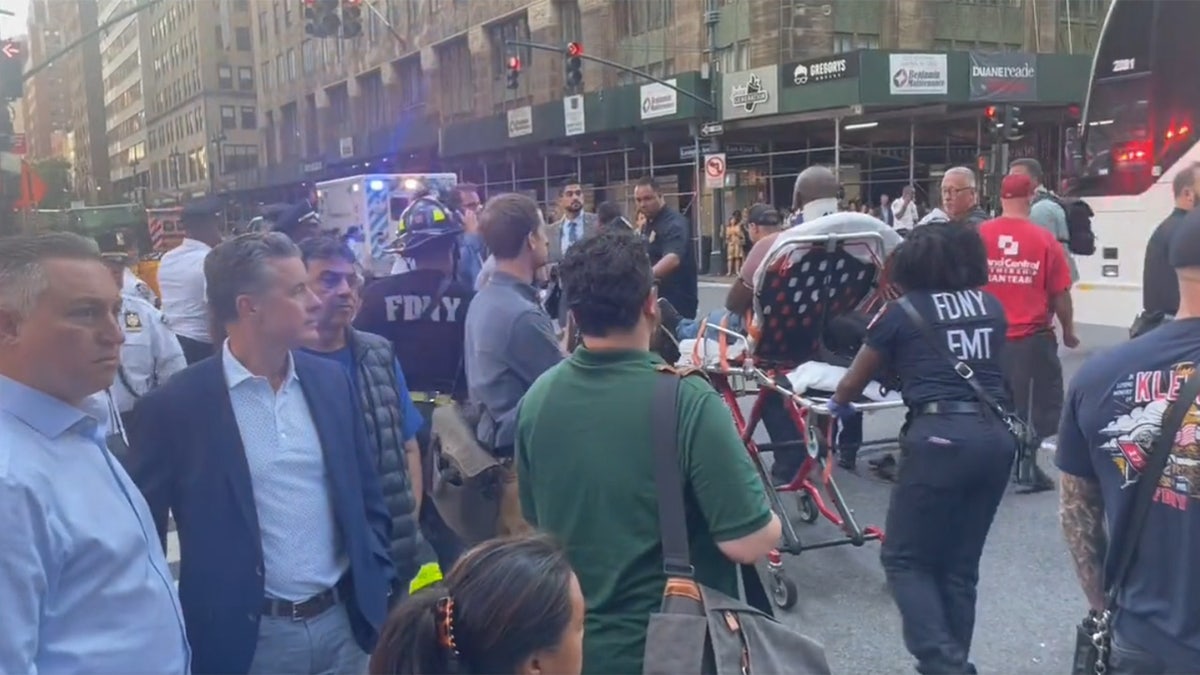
(422, 311)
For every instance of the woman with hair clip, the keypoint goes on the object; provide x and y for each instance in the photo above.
(956, 452)
(509, 606)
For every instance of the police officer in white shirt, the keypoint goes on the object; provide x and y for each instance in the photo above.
(149, 355)
(181, 278)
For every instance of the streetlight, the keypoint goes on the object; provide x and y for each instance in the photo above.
(215, 161)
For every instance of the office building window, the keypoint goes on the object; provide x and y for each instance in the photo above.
(228, 117)
(242, 39)
(249, 117)
(412, 82)
(239, 157)
(457, 76)
(848, 42)
(735, 57)
(498, 33)
(635, 17)
(570, 21)
(225, 77)
(245, 78)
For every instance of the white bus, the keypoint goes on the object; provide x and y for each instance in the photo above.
(1138, 130)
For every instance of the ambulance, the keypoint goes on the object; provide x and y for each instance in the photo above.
(365, 210)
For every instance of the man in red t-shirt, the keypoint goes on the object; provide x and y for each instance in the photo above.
(1029, 273)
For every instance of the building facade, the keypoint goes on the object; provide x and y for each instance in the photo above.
(200, 96)
(123, 70)
(85, 91)
(47, 110)
(429, 92)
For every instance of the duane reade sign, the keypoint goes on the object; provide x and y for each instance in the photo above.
(1004, 76)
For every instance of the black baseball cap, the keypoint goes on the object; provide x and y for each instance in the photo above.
(764, 215)
(1185, 242)
(200, 211)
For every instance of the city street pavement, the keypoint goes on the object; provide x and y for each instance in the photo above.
(1029, 601)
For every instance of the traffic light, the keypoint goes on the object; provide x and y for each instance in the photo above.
(574, 65)
(1014, 126)
(351, 18)
(321, 18)
(12, 67)
(514, 72)
(994, 124)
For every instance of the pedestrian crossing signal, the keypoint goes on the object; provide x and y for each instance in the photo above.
(514, 72)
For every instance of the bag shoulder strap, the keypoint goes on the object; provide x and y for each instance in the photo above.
(436, 300)
(672, 518)
(1147, 484)
(961, 369)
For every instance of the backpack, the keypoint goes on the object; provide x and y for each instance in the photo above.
(1080, 238)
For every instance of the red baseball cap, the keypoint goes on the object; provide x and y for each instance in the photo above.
(1016, 186)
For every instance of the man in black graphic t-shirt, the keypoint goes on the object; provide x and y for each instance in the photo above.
(1113, 415)
(669, 238)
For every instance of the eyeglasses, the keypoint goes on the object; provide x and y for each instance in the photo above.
(953, 192)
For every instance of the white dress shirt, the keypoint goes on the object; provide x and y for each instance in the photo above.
(133, 287)
(181, 281)
(150, 355)
(901, 221)
(302, 550)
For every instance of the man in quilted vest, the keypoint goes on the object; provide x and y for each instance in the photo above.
(392, 419)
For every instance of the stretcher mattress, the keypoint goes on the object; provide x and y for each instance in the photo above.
(813, 377)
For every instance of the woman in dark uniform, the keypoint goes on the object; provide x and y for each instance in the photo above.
(955, 454)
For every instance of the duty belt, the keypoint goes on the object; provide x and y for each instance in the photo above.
(435, 398)
(949, 408)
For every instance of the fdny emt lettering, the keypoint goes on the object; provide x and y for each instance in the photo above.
(411, 307)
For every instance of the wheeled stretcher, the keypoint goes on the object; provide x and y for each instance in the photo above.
(807, 279)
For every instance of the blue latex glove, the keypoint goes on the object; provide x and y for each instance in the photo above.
(840, 410)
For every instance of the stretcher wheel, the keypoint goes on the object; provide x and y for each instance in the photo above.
(806, 508)
(783, 591)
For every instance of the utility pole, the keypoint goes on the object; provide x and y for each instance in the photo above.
(712, 15)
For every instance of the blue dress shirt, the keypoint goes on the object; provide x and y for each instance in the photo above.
(84, 584)
(572, 232)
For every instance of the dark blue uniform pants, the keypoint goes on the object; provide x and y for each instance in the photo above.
(953, 473)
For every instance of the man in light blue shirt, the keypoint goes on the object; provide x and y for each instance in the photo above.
(84, 585)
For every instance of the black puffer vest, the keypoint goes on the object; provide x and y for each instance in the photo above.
(378, 391)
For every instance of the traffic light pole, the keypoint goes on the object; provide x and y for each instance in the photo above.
(712, 16)
(611, 64)
(34, 70)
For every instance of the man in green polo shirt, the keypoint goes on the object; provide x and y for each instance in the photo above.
(585, 462)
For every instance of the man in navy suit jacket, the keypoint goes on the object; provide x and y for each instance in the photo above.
(261, 454)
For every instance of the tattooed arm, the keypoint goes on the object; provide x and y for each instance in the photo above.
(1081, 511)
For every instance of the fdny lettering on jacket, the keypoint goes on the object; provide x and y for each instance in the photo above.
(971, 344)
(411, 307)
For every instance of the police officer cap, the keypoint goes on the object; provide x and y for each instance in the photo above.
(296, 215)
(1185, 242)
(113, 246)
(426, 220)
(200, 210)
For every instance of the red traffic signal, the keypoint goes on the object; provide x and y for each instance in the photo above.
(514, 64)
(991, 112)
(574, 49)
(11, 49)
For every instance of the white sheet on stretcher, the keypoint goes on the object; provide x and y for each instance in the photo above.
(813, 375)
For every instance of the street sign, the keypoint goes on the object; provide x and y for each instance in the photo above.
(711, 129)
(10, 50)
(714, 171)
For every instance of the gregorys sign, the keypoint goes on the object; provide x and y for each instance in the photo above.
(1001, 76)
(825, 69)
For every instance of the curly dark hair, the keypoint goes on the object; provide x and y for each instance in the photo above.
(940, 256)
(606, 279)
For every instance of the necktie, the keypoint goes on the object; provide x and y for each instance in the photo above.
(572, 233)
